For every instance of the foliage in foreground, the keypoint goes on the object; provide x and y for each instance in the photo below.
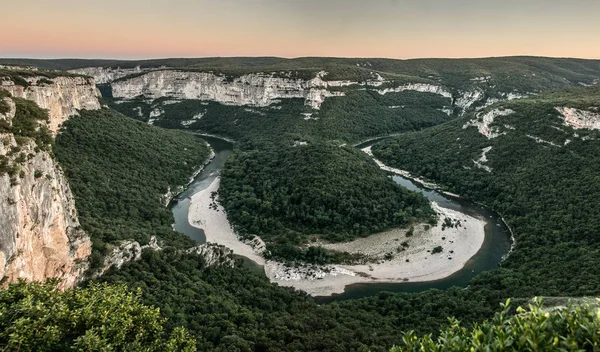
(575, 328)
(38, 317)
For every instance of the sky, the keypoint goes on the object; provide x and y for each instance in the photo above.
(136, 29)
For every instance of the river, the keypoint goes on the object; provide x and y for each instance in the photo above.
(497, 241)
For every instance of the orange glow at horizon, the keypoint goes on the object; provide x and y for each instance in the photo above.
(294, 28)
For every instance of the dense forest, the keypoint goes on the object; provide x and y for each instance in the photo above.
(318, 191)
(235, 315)
(235, 309)
(543, 179)
(119, 169)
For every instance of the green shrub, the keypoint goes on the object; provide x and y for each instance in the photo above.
(38, 317)
(575, 328)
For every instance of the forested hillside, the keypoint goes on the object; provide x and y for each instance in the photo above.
(536, 162)
(119, 170)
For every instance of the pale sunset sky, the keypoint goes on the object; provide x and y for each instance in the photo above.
(135, 29)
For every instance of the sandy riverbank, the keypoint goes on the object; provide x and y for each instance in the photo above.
(213, 220)
(459, 243)
(411, 262)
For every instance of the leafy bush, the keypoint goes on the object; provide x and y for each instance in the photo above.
(38, 317)
(575, 328)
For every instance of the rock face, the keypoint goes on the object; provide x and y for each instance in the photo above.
(214, 255)
(578, 118)
(419, 87)
(104, 75)
(62, 96)
(124, 253)
(259, 89)
(483, 122)
(40, 234)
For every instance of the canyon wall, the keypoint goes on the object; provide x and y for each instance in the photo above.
(40, 234)
(61, 96)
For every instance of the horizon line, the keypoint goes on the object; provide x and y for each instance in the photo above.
(294, 58)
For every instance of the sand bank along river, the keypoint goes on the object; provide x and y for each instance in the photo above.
(475, 243)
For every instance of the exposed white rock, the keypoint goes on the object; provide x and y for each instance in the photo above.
(447, 110)
(63, 97)
(20, 68)
(214, 255)
(467, 99)
(539, 140)
(138, 111)
(419, 87)
(577, 118)
(378, 81)
(309, 116)
(103, 75)
(316, 97)
(158, 112)
(257, 89)
(514, 95)
(40, 234)
(125, 252)
(481, 79)
(483, 122)
(277, 271)
(483, 159)
(170, 102)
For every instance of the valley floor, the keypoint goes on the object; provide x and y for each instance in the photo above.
(411, 262)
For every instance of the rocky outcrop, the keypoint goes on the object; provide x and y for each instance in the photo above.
(419, 87)
(257, 89)
(214, 255)
(483, 121)
(103, 75)
(578, 118)
(62, 96)
(40, 235)
(125, 252)
(466, 99)
(483, 159)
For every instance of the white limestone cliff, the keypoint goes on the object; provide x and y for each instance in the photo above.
(419, 87)
(40, 235)
(257, 89)
(104, 75)
(62, 96)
